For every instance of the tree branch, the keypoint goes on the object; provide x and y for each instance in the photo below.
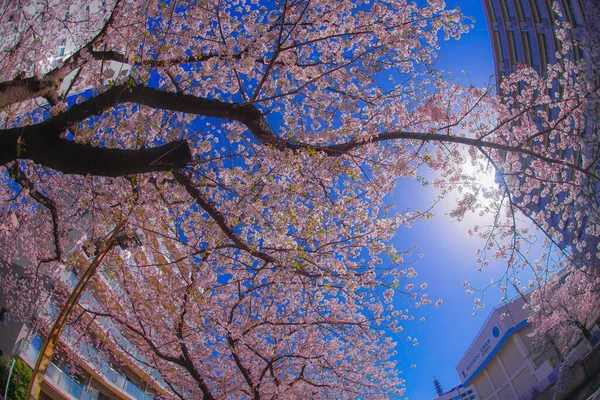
(23, 181)
(247, 114)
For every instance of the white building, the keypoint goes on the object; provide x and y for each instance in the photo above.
(500, 363)
(75, 25)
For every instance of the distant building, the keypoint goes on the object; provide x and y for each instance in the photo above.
(459, 392)
(438, 386)
(522, 33)
(88, 20)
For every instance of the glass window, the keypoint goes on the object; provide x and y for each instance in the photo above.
(3, 313)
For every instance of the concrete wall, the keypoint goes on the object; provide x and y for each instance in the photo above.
(578, 381)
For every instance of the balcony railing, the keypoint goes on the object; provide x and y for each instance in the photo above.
(55, 375)
(122, 382)
(62, 381)
(67, 384)
(104, 369)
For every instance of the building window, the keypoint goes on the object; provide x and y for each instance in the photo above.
(37, 342)
(90, 249)
(128, 240)
(4, 315)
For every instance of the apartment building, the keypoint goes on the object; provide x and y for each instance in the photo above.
(115, 372)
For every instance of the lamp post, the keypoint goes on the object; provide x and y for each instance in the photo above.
(16, 351)
(9, 376)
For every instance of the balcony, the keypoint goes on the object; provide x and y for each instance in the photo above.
(108, 376)
(54, 375)
(64, 383)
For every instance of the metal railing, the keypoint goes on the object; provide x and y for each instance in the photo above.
(55, 375)
(68, 385)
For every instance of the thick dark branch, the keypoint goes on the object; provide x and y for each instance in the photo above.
(186, 357)
(247, 114)
(22, 89)
(254, 120)
(242, 368)
(70, 157)
(434, 137)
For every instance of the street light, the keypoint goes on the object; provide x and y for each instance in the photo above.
(15, 352)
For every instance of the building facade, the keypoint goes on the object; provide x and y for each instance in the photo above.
(500, 363)
(101, 363)
(522, 32)
(96, 369)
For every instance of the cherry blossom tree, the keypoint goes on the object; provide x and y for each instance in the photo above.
(564, 309)
(260, 141)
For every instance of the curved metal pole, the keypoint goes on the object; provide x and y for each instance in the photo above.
(47, 350)
(9, 376)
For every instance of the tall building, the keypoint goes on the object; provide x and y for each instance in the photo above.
(522, 33)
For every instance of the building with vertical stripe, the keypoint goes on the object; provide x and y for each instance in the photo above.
(522, 33)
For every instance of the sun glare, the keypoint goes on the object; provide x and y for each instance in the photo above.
(482, 175)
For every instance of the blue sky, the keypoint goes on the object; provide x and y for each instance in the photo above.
(449, 252)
